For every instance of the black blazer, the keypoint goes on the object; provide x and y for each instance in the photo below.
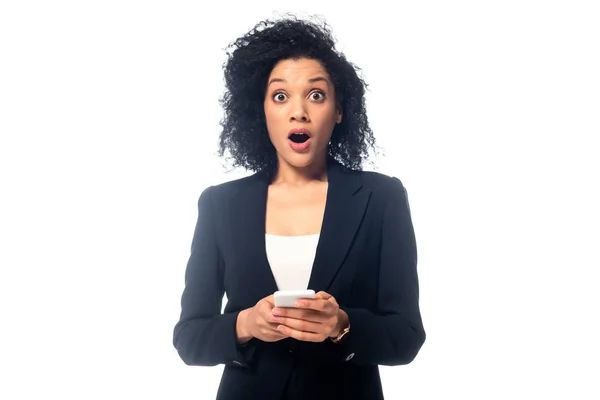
(366, 258)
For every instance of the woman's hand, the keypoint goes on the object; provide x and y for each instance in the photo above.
(257, 322)
(311, 320)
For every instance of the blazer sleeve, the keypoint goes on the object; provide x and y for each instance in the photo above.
(392, 334)
(203, 336)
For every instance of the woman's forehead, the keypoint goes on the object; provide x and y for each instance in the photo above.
(293, 69)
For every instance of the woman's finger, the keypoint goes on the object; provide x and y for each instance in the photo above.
(316, 304)
(303, 325)
(298, 313)
(323, 295)
(302, 335)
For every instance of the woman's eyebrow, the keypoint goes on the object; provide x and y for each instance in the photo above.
(311, 80)
(319, 79)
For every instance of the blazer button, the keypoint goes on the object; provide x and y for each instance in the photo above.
(350, 356)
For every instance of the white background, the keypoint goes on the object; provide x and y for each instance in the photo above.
(487, 111)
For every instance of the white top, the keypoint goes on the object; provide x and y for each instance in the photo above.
(291, 259)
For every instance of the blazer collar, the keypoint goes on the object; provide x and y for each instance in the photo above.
(346, 204)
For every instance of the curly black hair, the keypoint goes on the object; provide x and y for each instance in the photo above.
(250, 60)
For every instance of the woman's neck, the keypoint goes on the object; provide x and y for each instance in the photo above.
(299, 176)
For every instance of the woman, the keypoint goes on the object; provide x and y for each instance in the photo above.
(308, 217)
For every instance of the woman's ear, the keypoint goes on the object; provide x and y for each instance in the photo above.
(339, 115)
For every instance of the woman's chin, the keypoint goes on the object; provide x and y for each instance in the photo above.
(299, 160)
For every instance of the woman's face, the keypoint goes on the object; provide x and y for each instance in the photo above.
(301, 112)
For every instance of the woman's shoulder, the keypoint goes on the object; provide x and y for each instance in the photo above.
(379, 182)
(386, 190)
(227, 189)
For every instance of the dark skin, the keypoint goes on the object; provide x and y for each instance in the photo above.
(311, 320)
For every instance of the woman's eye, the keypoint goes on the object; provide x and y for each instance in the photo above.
(279, 97)
(317, 96)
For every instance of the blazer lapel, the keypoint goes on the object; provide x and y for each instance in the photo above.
(346, 204)
(247, 226)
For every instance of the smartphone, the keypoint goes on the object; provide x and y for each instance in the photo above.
(287, 298)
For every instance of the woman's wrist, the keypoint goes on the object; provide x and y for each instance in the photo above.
(241, 330)
(343, 322)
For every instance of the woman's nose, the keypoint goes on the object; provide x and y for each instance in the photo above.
(299, 113)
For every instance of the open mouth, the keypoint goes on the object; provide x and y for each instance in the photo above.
(299, 137)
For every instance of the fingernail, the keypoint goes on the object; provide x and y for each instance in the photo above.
(300, 304)
(276, 312)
